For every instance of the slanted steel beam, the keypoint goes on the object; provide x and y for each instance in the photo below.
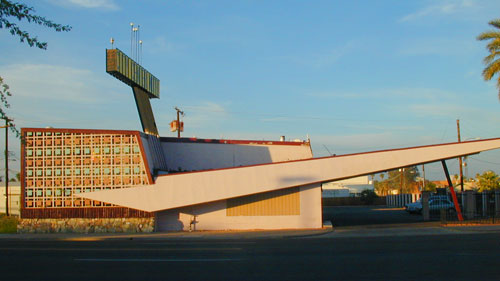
(452, 190)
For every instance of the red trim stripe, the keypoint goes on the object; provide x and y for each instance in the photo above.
(83, 131)
(221, 141)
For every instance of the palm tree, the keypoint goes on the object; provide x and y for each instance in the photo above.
(492, 61)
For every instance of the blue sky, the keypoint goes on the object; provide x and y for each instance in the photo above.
(352, 75)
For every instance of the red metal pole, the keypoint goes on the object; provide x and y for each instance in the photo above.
(452, 190)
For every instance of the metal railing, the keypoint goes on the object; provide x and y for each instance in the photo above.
(400, 200)
(477, 208)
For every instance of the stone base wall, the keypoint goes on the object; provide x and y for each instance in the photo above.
(85, 225)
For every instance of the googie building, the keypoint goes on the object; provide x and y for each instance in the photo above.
(82, 180)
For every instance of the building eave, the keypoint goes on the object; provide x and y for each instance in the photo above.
(184, 189)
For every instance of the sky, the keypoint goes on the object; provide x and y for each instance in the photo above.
(353, 76)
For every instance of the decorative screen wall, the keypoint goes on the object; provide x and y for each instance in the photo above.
(60, 163)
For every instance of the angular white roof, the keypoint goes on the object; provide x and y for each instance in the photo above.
(184, 189)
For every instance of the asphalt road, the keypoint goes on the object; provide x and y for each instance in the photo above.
(423, 257)
(368, 215)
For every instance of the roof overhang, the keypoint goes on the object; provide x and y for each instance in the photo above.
(184, 189)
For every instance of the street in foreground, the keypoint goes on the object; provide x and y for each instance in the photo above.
(460, 256)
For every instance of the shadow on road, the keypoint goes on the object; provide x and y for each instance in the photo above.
(368, 215)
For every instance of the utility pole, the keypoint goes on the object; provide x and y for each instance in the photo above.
(460, 159)
(179, 121)
(401, 181)
(6, 164)
(423, 172)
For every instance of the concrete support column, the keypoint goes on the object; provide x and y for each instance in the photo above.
(470, 204)
(425, 205)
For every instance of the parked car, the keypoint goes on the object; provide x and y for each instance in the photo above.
(436, 203)
(414, 207)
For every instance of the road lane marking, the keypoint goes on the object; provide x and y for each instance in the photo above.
(156, 260)
(118, 249)
(194, 243)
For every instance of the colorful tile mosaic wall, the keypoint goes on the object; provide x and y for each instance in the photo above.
(61, 163)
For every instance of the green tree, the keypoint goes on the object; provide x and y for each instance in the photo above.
(368, 196)
(4, 104)
(21, 12)
(403, 179)
(430, 186)
(381, 187)
(488, 181)
(492, 60)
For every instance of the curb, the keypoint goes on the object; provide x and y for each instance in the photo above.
(215, 235)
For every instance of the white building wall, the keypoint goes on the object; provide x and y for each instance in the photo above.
(14, 198)
(212, 216)
(195, 156)
(352, 186)
(192, 156)
(330, 193)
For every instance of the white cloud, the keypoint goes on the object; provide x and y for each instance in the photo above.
(387, 94)
(344, 144)
(203, 115)
(88, 4)
(438, 46)
(356, 143)
(54, 82)
(208, 106)
(449, 110)
(280, 119)
(56, 95)
(160, 45)
(442, 9)
(338, 95)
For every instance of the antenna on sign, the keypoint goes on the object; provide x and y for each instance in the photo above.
(131, 38)
(112, 41)
(140, 51)
(138, 39)
(135, 43)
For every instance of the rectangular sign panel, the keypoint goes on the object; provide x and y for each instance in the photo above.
(128, 71)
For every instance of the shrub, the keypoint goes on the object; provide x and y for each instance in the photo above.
(368, 196)
(8, 224)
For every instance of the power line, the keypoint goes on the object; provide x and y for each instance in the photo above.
(484, 161)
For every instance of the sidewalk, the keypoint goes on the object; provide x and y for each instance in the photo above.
(414, 229)
(248, 234)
